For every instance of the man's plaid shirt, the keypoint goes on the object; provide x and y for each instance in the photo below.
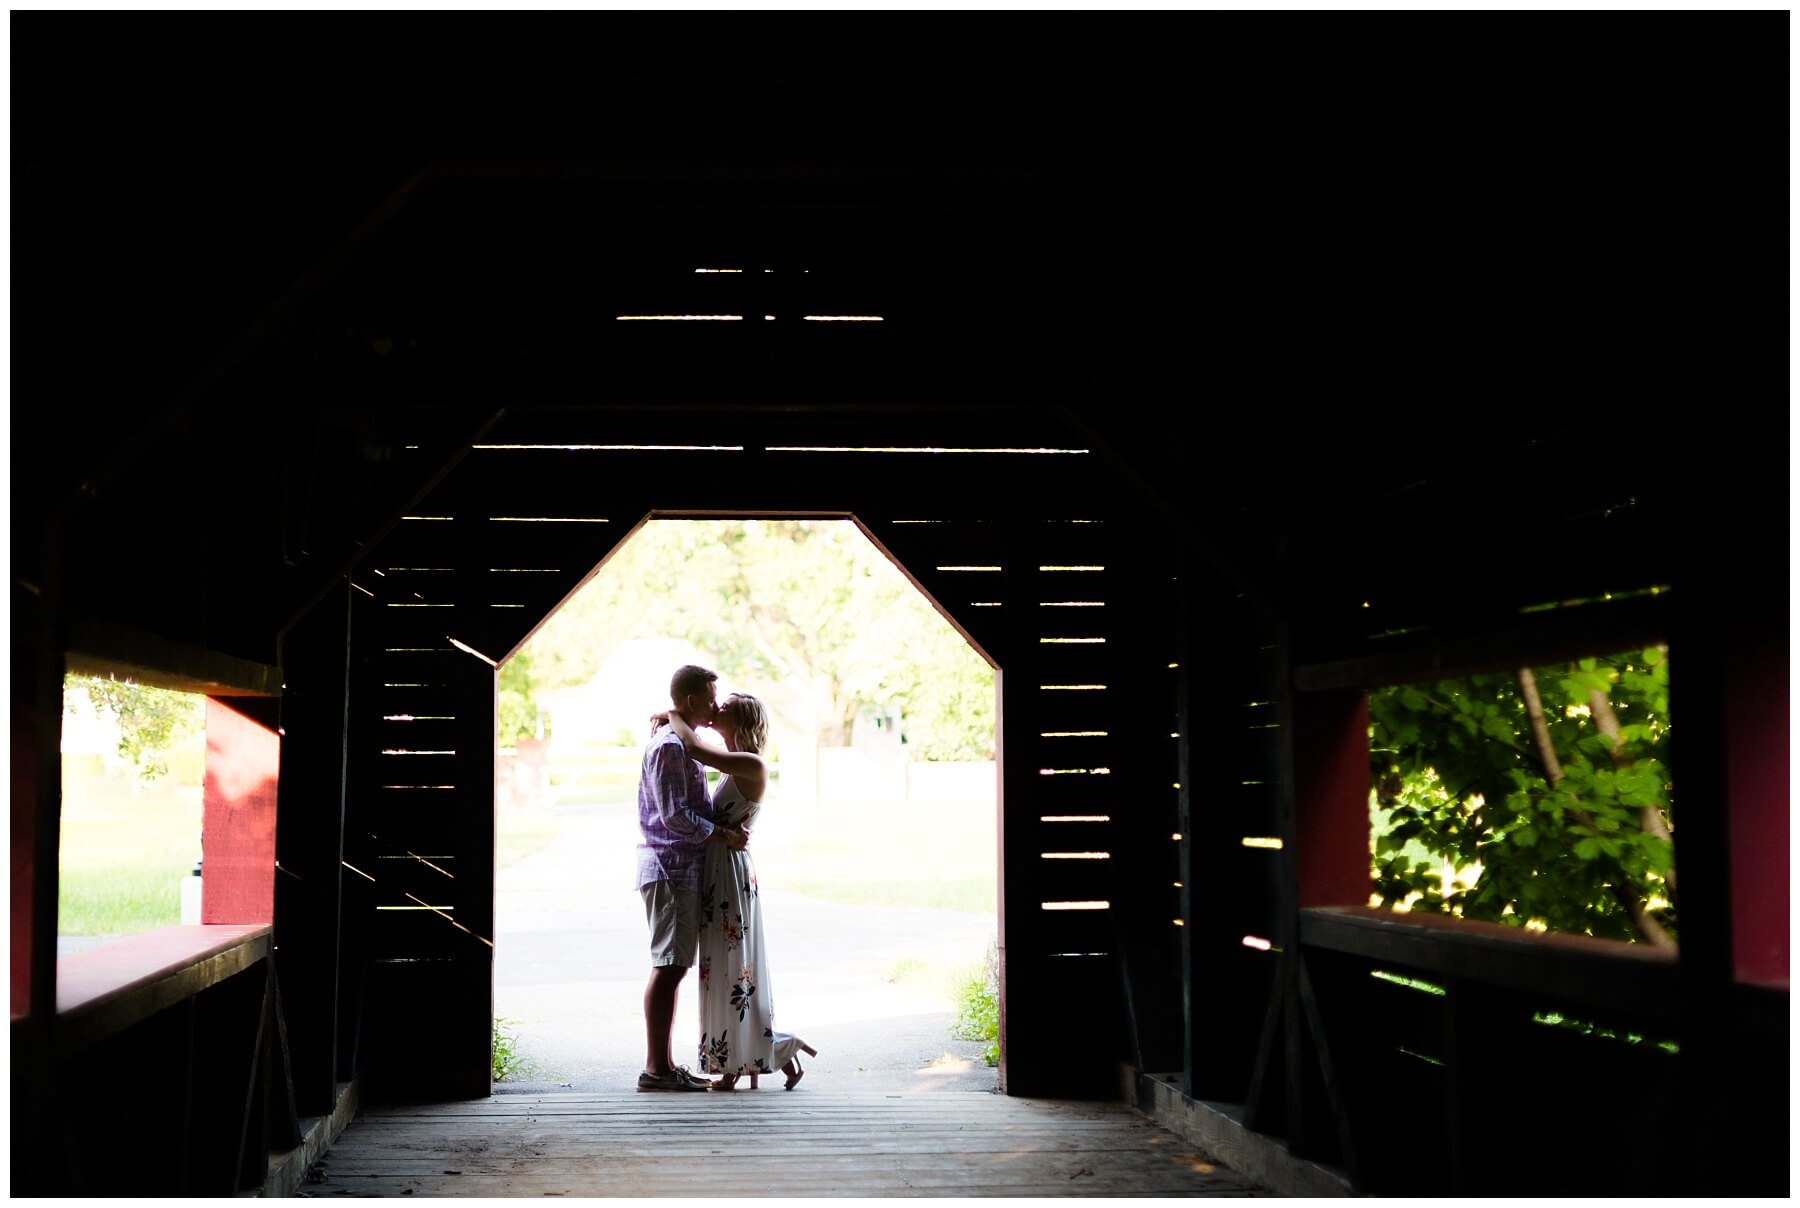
(673, 813)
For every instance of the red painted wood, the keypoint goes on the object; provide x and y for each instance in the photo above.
(1331, 797)
(237, 842)
(1758, 802)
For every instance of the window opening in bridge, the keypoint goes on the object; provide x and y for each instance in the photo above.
(876, 848)
(1539, 798)
(133, 773)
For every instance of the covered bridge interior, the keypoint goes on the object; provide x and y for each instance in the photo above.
(385, 367)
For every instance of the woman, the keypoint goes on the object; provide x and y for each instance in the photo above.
(737, 1013)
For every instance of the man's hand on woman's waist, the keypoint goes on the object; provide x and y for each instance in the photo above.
(734, 837)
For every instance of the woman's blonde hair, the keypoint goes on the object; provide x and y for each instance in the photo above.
(752, 722)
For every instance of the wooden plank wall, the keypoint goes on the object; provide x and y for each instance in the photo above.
(1034, 555)
(1147, 699)
(1377, 1030)
(309, 848)
(173, 1086)
(1236, 845)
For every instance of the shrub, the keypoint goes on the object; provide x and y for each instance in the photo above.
(508, 1062)
(978, 1015)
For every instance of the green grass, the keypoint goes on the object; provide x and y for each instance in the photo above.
(932, 856)
(909, 970)
(605, 782)
(119, 900)
(975, 894)
(946, 980)
(517, 835)
(125, 851)
(599, 794)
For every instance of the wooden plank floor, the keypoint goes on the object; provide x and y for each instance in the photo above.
(767, 1143)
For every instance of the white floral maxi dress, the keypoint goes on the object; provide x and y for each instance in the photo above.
(737, 1012)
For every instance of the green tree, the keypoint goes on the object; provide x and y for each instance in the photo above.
(151, 720)
(1548, 787)
(517, 705)
(809, 602)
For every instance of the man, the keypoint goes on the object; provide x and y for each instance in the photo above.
(676, 819)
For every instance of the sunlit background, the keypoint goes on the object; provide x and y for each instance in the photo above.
(133, 769)
(881, 712)
(876, 846)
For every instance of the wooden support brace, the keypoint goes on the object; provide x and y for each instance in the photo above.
(1257, 1105)
(1334, 1089)
(246, 1171)
(280, 1106)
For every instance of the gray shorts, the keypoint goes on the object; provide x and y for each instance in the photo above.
(673, 912)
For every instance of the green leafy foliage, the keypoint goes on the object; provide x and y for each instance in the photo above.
(1460, 784)
(518, 713)
(508, 1062)
(808, 602)
(151, 720)
(978, 1009)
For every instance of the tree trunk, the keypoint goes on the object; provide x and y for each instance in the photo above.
(1540, 730)
(1650, 818)
(1628, 899)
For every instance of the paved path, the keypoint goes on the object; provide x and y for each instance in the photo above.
(570, 966)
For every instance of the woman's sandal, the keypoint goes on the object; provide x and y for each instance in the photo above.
(797, 1073)
(728, 1082)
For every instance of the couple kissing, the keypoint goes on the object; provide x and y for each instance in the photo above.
(699, 889)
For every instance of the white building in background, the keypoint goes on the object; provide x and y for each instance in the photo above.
(614, 707)
(613, 710)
